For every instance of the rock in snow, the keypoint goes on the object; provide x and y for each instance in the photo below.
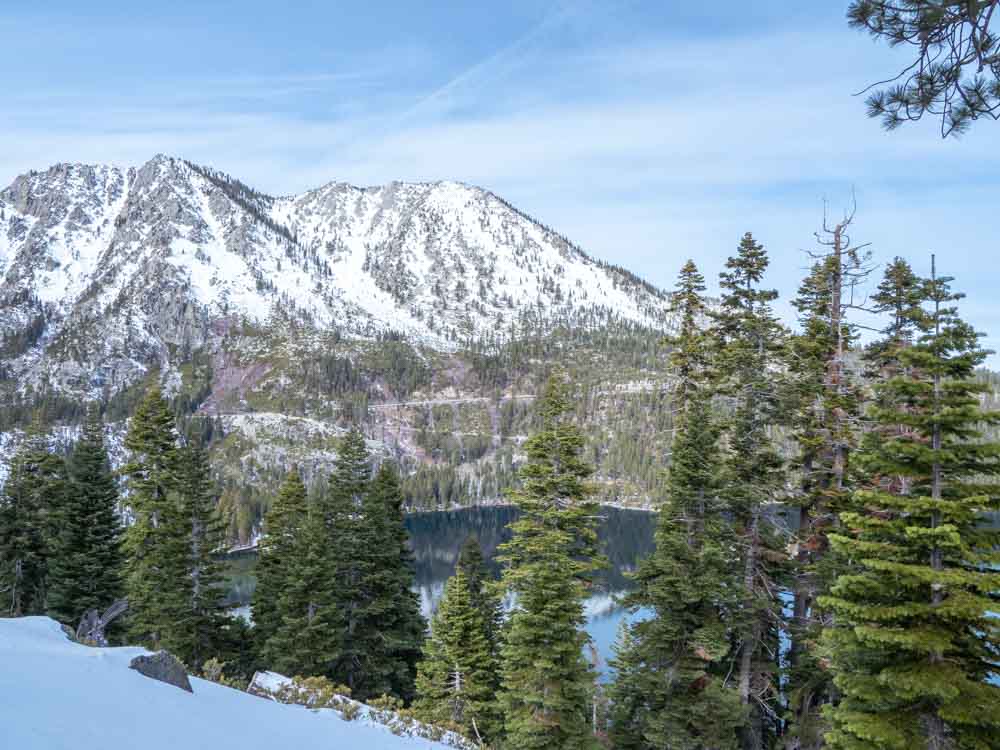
(162, 666)
(57, 694)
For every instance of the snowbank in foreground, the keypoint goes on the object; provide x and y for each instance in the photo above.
(56, 694)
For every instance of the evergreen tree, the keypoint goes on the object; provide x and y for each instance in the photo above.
(457, 678)
(306, 640)
(546, 681)
(284, 527)
(473, 566)
(86, 558)
(748, 341)
(321, 605)
(900, 295)
(915, 645)
(671, 666)
(198, 631)
(391, 621)
(33, 495)
(825, 410)
(153, 578)
(351, 558)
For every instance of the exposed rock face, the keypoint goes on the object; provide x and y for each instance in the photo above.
(276, 321)
(162, 666)
(106, 273)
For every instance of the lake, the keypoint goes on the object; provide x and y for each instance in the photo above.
(626, 537)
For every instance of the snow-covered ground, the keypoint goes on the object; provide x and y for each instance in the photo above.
(56, 694)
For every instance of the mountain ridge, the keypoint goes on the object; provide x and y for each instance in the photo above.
(427, 313)
(438, 262)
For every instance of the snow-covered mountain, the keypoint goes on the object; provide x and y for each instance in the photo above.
(105, 272)
(275, 322)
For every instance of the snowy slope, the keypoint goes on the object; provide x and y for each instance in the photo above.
(105, 272)
(56, 694)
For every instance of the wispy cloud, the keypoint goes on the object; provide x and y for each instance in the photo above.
(646, 152)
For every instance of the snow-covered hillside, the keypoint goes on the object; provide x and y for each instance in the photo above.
(106, 271)
(55, 694)
(273, 323)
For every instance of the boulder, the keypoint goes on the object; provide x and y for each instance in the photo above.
(162, 666)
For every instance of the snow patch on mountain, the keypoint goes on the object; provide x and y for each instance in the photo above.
(105, 273)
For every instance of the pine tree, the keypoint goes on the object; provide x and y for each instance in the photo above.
(307, 639)
(900, 296)
(747, 345)
(457, 678)
(915, 645)
(153, 581)
(321, 605)
(671, 666)
(391, 620)
(284, 527)
(473, 566)
(198, 631)
(546, 681)
(350, 554)
(825, 408)
(86, 558)
(30, 505)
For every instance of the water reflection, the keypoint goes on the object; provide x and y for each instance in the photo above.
(626, 536)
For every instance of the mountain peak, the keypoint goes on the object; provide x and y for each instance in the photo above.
(150, 259)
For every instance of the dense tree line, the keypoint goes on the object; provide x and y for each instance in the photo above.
(870, 623)
(335, 575)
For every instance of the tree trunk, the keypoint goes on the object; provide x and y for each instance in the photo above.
(751, 735)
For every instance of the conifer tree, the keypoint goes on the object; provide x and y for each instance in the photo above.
(825, 409)
(473, 566)
(33, 494)
(546, 681)
(748, 342)
(153, 581)
(350, 556)
(198, 632)
(900, 295)
(457, 678)
(391, 621)
(86, 558)
(671, 666)
(284, 527)
(307, 639)
(321, 605)
(915, 643)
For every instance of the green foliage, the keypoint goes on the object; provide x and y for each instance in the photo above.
(458, 676)
(748, 343)
(672, 666)
(915, 643)
(198, 630)
(30, 507)
(284, 527)
(344, 608)
(956, 73)
(86, 559)
(390, 627)
(172, 581)
(151, 544)
(824, 403)
(546, 682)
(481, 589)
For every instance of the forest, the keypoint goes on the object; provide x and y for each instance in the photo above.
(870, 625)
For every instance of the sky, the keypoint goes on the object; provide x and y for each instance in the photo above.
(647, 132)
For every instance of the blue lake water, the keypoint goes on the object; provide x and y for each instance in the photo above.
(626, 537)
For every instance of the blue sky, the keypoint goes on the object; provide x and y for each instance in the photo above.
(648, 132)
